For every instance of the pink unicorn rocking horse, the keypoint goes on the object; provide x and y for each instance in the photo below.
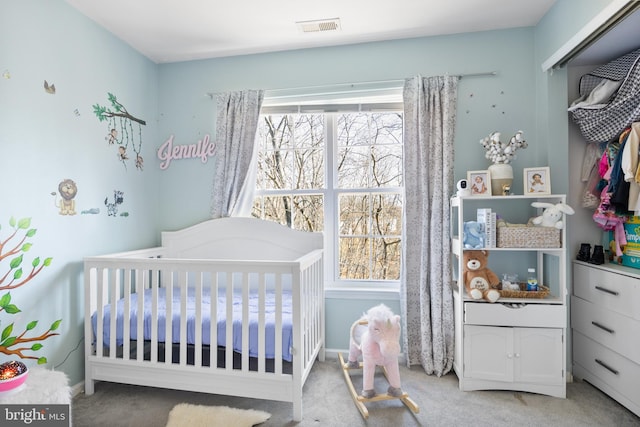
(376, 337)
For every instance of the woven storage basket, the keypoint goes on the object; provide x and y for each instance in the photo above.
(527, 237)
(542, 292)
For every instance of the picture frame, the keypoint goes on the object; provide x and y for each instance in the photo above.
(479, 182)
(537, 180)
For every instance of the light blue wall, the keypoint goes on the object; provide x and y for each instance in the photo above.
(43, 141)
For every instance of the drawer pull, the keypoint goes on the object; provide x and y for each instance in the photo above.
(514, 305)
(609, 291)
(604, 328)
(605, 366)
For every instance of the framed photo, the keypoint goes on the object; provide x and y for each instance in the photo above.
(479, 182)
(537, 180)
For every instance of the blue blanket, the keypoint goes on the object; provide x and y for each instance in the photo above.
(270, 316)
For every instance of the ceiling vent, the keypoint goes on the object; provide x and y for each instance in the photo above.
(319, 26)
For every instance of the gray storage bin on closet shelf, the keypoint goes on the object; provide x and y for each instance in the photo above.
(604, 120)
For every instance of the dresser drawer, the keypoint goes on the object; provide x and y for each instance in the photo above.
(607, 289)
(611, 329)
(528, 315)
(611, 368)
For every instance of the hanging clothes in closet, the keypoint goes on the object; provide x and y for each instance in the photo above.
(619, 168)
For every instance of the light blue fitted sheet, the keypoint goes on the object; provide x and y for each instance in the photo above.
(206, 321)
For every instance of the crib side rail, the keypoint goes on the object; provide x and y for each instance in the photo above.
(308, 322)
(110, 281)
(311, 314)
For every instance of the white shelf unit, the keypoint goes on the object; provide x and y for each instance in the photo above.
(514, 343)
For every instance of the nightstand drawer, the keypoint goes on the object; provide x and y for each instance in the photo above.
(607, 289)
(619, 333)
(528, 315)
(619, 372)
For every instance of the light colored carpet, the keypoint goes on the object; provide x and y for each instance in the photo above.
(186, 414)
(327, 403)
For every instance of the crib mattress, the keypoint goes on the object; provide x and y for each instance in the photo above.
(270, 320)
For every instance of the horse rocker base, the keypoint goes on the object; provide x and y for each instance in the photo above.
(360, 400)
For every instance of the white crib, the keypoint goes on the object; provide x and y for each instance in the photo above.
(152, 315)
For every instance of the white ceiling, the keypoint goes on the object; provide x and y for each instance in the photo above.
(181, 30)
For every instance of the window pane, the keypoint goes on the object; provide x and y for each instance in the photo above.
(386, 166)
(308, 213)
(386, 214)
(387, 128)
(274, 132)
(308, 130)
(354, 214)
(369, 150)
(386, 259)
(309, 166)
(353, 167)
(275, 170)
(353, 129)
(291, 152)
(273, 208)
(354, 258)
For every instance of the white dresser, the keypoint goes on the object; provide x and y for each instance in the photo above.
(605, 320)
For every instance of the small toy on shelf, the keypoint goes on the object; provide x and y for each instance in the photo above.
(510, 282)
(552, 215)
(479, 281)
(473, 236)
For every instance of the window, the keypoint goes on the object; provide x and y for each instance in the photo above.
(340, 173)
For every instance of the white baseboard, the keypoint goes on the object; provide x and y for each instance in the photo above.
(77, 389)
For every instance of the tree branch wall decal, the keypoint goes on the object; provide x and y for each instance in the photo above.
(121, 129)
(13, 249)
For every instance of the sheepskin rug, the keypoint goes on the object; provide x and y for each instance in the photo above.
(186, 414)
(42, 386)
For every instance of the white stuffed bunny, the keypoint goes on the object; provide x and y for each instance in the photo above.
(552, 215)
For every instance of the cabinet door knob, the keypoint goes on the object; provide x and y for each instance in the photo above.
(517, 355)
(608, 291)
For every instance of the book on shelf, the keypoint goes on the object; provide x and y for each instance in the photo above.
(488, 218)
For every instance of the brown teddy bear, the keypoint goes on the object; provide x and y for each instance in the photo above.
(479, 281)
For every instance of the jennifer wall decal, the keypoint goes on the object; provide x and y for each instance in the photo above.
(203, 149)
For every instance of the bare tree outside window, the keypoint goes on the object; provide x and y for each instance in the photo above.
(366, 152)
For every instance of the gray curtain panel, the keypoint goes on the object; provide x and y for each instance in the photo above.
(234, 178)
(426, 295)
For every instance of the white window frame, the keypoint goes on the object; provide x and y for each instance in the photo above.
(336, 287)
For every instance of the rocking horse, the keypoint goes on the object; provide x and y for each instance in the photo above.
(375, 337)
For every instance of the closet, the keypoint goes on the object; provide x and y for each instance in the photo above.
(605, 299)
